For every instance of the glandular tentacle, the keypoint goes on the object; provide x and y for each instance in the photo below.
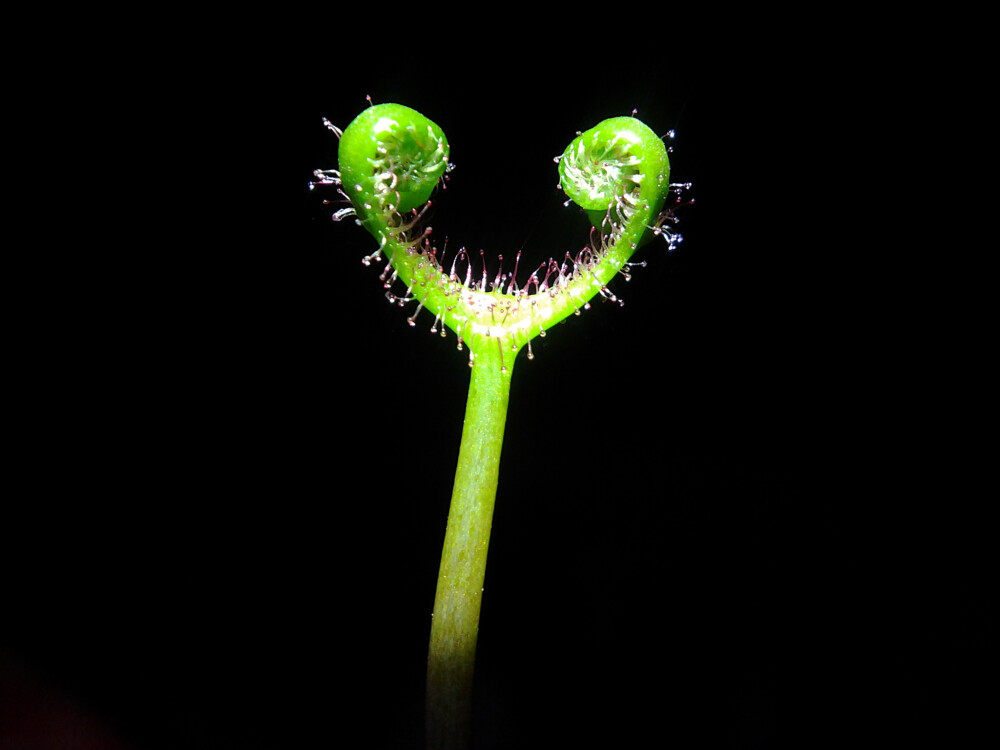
(391, 160)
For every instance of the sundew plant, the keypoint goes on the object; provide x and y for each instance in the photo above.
(391, 161)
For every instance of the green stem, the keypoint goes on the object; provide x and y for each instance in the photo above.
(455, 624)
(391, 159)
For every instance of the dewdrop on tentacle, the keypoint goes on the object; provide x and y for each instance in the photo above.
(392, 158)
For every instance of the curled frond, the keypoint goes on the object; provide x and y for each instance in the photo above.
(391, 160)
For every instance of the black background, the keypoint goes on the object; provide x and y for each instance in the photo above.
(241, 456)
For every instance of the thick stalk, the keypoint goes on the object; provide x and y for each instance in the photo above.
(455, 625)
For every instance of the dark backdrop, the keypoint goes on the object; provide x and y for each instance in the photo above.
(235, 531)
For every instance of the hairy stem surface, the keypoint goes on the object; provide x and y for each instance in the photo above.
(455, 624)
